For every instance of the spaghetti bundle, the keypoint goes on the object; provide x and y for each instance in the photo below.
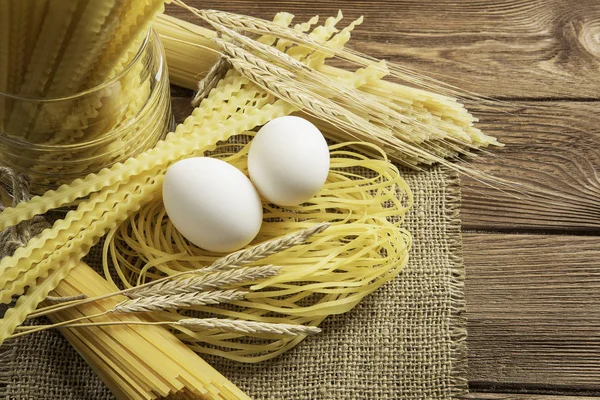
(137, 362)
(364, 198)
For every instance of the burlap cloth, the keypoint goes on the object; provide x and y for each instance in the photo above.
(405, 341)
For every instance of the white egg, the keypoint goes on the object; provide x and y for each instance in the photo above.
(212, 204)
(288, 161)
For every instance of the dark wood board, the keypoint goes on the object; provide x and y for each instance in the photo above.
(553, 153)
(533, 314)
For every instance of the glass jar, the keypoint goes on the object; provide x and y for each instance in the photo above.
(56, 140)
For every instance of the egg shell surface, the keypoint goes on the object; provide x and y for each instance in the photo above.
(288, 161)
(212, 204)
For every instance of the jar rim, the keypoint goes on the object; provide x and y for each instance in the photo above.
(89, 91)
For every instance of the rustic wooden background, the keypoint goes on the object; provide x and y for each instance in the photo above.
(533, 264)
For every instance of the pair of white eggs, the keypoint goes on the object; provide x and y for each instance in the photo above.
(216, 207)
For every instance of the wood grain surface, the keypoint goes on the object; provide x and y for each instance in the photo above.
(502, 48)
(532, 260)
(533, 314)
(552, 152)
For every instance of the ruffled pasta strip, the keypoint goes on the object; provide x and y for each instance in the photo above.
(131, 20)
(133, 28)
(53, 33)
(114, 210)
(38, 291)
(47, 49)
(365, 199)
(16, 34)
(34, 25)
(16, 272)
(78, 54)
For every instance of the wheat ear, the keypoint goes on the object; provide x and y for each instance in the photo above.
(271, 52)
(65, 299)
(235, 53)
(174, 302)
(249, 24)
(266, 249)
(247, 327)
(231, 261)
(205, 282)
(286, 86)
(219, 324)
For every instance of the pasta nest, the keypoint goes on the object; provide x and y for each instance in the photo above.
(364, 198)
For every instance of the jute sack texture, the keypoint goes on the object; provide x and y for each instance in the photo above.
(405, 341)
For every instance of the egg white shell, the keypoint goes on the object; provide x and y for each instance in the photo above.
(212, 204)
(288, 161)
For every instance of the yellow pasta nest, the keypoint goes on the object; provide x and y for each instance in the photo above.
(364, 198)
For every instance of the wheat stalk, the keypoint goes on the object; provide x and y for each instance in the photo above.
(65, 299)
(236, 53)
(218, 324)
(174, 302)
(247, 327)
(231, 261)
(242, 22)
(278, 82)
(260, 26)
(271, 52)
(275, 80)
(206, 282)
(266, 249)
(314, 80)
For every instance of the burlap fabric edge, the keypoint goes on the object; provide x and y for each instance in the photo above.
(458, 318)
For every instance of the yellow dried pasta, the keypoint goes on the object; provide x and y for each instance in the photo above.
(438, 125)
(76, 57)
(165, 152)
(364, 198)
(136, 362)
(134, 24)
(16, 272)
(74, 248)
(193, 137)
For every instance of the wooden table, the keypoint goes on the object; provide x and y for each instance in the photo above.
(533, 264)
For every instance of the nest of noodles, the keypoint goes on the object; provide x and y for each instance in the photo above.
(365, 199)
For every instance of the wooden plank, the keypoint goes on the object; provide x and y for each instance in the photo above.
(182, 108)
(516, 48)
(552, 149)
(533, 311)
(516, 396)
